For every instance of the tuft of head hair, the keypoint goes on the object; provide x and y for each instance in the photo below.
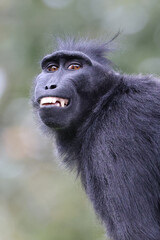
(95, 49)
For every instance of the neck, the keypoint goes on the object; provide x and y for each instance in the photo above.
(74, 141)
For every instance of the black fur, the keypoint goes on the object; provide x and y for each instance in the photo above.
(111, 136)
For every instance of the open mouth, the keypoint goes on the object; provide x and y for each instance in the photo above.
(54, 101)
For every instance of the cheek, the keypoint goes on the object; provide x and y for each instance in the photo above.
(37, 91)
(83, 84)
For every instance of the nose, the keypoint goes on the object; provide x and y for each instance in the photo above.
(50, 86)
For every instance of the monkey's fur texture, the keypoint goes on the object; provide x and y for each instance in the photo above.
(109, 130)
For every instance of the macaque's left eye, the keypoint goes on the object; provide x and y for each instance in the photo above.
(74, 66)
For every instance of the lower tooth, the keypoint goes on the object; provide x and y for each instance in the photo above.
(57, 104)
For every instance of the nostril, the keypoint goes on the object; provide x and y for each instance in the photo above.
(50, 87)
(53, 86)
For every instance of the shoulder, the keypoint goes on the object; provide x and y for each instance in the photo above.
(141, 83)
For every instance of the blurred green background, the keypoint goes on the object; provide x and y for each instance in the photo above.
(39, 199)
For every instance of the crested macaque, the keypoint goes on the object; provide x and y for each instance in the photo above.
(107, 127)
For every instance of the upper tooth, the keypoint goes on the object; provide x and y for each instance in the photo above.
(66, 102)
(44, 100)
(63, 102)
(48, 100)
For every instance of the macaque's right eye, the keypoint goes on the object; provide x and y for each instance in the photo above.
(52, 68)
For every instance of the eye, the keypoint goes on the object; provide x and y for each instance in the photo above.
(74, 66)
(52, 68)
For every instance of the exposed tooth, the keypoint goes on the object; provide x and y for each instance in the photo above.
(66, 102)
(54, 100)
(45, 100)
(57, 104)
(62, 102)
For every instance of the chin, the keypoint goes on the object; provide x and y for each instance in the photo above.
(55, 117)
